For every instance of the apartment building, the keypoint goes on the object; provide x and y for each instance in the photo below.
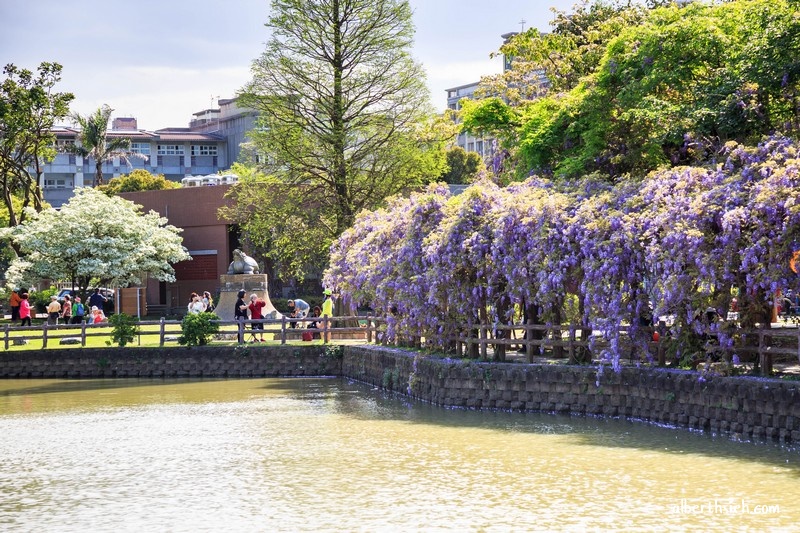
(210, 144)
(175, 154)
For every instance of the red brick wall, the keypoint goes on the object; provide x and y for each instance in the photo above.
(201, 267)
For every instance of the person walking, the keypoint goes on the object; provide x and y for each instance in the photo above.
(78, 311)
(24, 310)
(14, 302)
(53, 311)
(66, 310)
(240, 313)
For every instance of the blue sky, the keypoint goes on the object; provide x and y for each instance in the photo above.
(162, 60)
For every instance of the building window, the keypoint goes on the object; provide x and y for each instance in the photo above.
(65, 145)
(203, 149)
(57, 183)
(479, 147)
(170, 149)
(470, 147)
(141, 148)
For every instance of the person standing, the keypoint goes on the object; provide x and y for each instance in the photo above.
(256, 305)
(24, 310)
(97, 315)
(240, 313)
(53, 311)
(97, 300)
(208, 301)
(196, 305)
(327, 310)
(77, 311)
(14, 303)
(66, 310)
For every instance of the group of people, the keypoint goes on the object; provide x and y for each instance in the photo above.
(20, 307)
(255, 307)
(298, 310)
(200, 304)
(71, 312)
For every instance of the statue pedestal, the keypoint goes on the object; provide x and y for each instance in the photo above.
(229, 287)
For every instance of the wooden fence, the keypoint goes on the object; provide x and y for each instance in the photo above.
(168, 330)
(568, 341)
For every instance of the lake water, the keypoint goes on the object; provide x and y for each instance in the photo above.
(332, 455)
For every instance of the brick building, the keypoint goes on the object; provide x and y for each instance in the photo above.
(208, 239)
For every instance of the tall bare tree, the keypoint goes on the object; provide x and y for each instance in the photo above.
(341, 101)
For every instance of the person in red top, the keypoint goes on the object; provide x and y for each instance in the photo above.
(25, 310)
(256, 305)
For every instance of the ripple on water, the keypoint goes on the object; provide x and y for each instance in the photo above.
(312, 455)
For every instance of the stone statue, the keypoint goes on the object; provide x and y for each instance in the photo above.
(242, 264)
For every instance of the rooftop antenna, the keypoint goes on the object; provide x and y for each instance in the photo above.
(522, 25)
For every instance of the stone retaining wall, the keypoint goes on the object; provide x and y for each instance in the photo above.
(744, 406)
(177, 362)
(748, 407)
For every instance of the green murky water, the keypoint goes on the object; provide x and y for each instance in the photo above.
(330, 455)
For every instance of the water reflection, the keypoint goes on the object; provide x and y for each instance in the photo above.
(326, 454)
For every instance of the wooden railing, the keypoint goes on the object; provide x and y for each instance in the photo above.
(567, 341)
(165, 330)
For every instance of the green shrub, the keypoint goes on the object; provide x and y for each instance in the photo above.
(198, 328)
(39, 300)
(125, 328)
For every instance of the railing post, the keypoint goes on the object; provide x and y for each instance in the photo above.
(161, 332)
(482, 337)
(369, 330)
(83, 333)
(283, 329)
(240, 330)
(6, 336)
(529, 340)
(571, 346)
(325, 330)
(44, 335)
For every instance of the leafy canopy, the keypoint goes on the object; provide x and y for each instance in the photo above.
(95, 142)
(344, 122)
(138, 180)
(29, 108)
(95, 237)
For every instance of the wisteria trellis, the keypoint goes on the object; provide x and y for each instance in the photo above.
(675, 243)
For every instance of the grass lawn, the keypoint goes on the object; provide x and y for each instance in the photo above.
(100, 337)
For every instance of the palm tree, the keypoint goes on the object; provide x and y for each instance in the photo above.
(94, 142)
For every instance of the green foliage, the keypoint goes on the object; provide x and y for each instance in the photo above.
(95, 237)
(29, 108)
(198, 329)
(40, 299)
(633, 89)
(462, 166)
(95, 143)
(339, 131)
(334, 351)
(125, 328)
(138, 180)
(489, 116)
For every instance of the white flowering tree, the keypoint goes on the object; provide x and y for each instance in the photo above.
(97, 238)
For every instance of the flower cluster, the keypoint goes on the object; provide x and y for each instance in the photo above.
(677, 243)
